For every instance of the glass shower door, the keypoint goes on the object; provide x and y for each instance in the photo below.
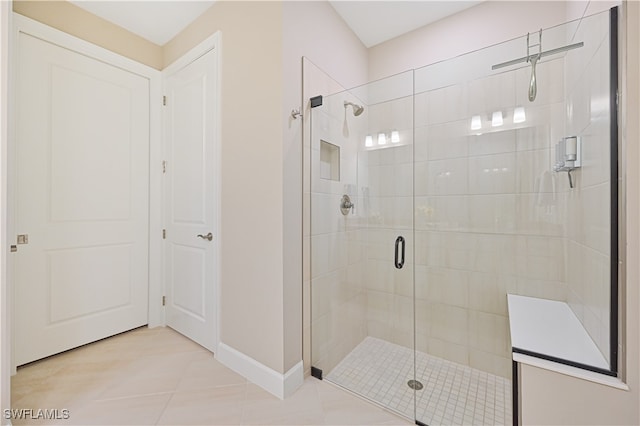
(496, 214)
(362, 301)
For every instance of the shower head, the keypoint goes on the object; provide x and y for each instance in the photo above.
(357, 109)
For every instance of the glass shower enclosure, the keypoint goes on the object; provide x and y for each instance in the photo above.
(437, 192)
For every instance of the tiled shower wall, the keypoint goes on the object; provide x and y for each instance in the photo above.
(588, 204)
(338, 307)
(386, 176)
(488, 217)
(491, 215)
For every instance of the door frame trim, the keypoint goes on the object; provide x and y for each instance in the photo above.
(22, 24)
(211, 43)
(5, 304)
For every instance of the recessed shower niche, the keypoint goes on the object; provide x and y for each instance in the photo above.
(329, 161)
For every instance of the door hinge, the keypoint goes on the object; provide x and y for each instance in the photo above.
(164, 166)
(164, 300)
(164, 234)
(164, 101)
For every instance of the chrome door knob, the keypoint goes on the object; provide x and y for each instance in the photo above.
(209, 236)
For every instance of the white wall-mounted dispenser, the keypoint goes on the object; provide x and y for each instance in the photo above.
(568, 155)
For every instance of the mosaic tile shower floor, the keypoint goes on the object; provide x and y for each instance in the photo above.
(452, 393)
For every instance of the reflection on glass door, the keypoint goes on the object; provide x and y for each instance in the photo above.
(362, 242)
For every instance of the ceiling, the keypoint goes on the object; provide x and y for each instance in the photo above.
(373, 21)
(156, 21)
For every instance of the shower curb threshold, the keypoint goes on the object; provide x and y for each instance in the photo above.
(568, 370)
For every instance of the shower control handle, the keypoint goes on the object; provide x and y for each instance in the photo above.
(399, 262)
(346, 205)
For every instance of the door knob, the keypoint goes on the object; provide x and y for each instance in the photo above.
(209, 236)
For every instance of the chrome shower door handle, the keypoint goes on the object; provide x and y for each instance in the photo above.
(399, 261)
(209, 236)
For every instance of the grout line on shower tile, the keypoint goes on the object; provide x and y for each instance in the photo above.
(450, 390)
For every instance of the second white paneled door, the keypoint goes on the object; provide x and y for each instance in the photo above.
(82, 199)
(191, 208)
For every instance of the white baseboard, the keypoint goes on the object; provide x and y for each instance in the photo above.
(280, 385)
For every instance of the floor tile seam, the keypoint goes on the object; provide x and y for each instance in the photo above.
(141, 395)
(209, 387)
(164, 408)
(154, 354)
(177, 352)
(367, 400)
(170, 400)
(172, 392)
(244, 410)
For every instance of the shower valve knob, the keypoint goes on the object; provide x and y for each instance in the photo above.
(346, 205)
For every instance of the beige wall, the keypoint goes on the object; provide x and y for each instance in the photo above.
(549, 398)
(295, 29)
(76, 21)
(313, 29)
(251, 247)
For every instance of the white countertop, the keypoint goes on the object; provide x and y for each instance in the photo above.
(549, 327)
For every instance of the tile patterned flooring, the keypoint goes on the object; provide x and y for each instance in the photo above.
(157, 376)
(452, 393)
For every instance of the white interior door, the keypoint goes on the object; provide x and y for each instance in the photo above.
(82, 149)
(191, 211)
